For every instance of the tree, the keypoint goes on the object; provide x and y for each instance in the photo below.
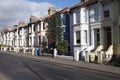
(54, 29)
(62, 47)
(54, 34)
(44, 48)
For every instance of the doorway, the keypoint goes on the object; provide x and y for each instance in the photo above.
(97, 37)
(108, 37)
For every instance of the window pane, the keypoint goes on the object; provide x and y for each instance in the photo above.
(43, 26)
(96, 13)
(77, 37)
(106, 11)
(76, 17)
(85, 16)
(91, 15)
(85, 36)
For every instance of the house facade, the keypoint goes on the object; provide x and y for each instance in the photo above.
(65, 26)
(21, 36)
(86, 25)
(16, 38)
(79, 28)
(27, 37)
(116, 27)
(94, 23)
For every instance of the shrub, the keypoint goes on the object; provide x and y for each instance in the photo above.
(115, 61)
(62, 47)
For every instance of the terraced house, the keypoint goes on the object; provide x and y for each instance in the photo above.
(116, 27)
(92, 28)
(94, 25)
(80, 27)
(27, 37)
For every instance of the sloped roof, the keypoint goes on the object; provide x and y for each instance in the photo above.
(5, 30)
(88, 2)
(21, 24)
(64, 10)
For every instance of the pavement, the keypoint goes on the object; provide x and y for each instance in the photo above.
(70, 62)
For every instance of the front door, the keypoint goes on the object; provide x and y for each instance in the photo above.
(108, 37)
(97, 37)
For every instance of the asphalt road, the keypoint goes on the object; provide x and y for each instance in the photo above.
(20, 68)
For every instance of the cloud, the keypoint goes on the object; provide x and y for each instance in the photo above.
(14, 11)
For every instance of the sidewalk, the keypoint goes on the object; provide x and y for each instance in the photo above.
(79, 64)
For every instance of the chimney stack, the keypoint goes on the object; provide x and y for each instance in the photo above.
(21, 24)
(15, 26)
(51, 10)
(33, 18)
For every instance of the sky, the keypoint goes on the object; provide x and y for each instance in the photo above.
(60, 3)
(14, 11)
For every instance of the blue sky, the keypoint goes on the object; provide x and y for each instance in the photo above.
(21, 10)
(60, 3)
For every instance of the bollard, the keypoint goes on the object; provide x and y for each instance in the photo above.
(33, 51)
(86, 56)
(54, 52)
(24, 50)
(99, 57)
(76, 55)
(40, 52)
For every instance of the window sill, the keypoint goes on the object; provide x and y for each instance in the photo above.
(95, 21)
(77, 45)
(76, 24)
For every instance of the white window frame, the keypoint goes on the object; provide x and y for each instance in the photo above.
(77, 38)
(85, 36)
(106, 7)
(76, 19)
(94, 15)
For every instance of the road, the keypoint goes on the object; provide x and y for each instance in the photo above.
(20, 68)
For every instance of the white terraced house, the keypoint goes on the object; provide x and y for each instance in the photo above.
(16, 38)
(95, 22)
(103, 25)
(36, 34)
(21, 36)
(25, 38)
(4, 37)
(80, 28)
(94, 31)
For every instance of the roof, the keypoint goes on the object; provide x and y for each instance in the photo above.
(88, 2)
(5, 30)
(21, 24)
(64, 10)
(33, 19)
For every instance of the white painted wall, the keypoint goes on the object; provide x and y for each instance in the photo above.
(80, 27)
